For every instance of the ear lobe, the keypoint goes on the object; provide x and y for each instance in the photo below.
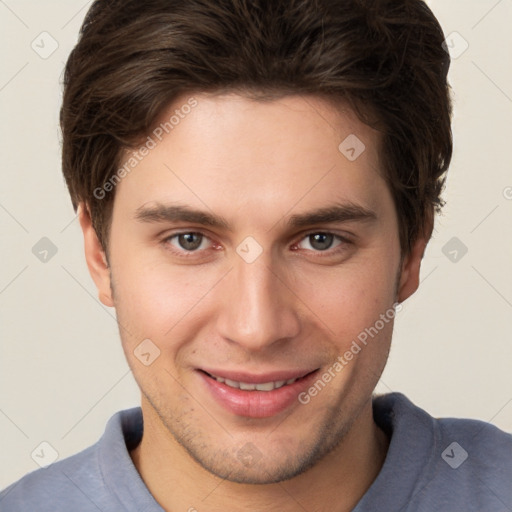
(95, 257)
(410, 274)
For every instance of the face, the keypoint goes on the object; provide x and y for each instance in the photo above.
(250, 253)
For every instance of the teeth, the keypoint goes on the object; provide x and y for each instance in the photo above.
(245, 386)
(268, 386)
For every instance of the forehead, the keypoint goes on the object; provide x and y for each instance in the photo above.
(227, 152)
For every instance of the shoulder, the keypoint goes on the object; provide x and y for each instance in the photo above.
(83, 481)
(38, 490)
(483, 440)
(480, 454)
(394, 411)
(458, 461)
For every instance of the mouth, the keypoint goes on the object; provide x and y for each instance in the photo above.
(256, 396)
(246, 386)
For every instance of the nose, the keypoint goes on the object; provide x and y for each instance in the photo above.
(258, 308)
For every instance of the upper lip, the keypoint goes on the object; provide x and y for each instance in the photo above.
(260, 378)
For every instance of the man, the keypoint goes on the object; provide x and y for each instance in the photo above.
(256, 183)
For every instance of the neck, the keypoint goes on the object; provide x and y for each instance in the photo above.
(336, 483)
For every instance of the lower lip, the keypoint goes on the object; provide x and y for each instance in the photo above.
(256, 404)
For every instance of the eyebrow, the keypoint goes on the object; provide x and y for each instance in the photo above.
(336, 213)
(330, 214)
(170, 213)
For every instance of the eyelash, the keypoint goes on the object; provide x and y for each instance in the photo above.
(344, 242)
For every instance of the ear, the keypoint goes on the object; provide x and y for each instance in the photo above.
(95, 257)
(410, 275)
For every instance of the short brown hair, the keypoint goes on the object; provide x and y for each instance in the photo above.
(385, 57)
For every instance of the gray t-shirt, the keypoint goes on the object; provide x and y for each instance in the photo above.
(432, 465)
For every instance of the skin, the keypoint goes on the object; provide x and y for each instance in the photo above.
(296, 306)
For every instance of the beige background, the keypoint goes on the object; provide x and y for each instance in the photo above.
(62, 371)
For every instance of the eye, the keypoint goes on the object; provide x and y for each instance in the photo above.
(187, 242)
(322, 242)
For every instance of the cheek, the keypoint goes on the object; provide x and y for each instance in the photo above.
(158, 303)
(154, 297)
(349, 298)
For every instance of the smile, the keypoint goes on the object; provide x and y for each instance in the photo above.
(247, 386)
(256, 396)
